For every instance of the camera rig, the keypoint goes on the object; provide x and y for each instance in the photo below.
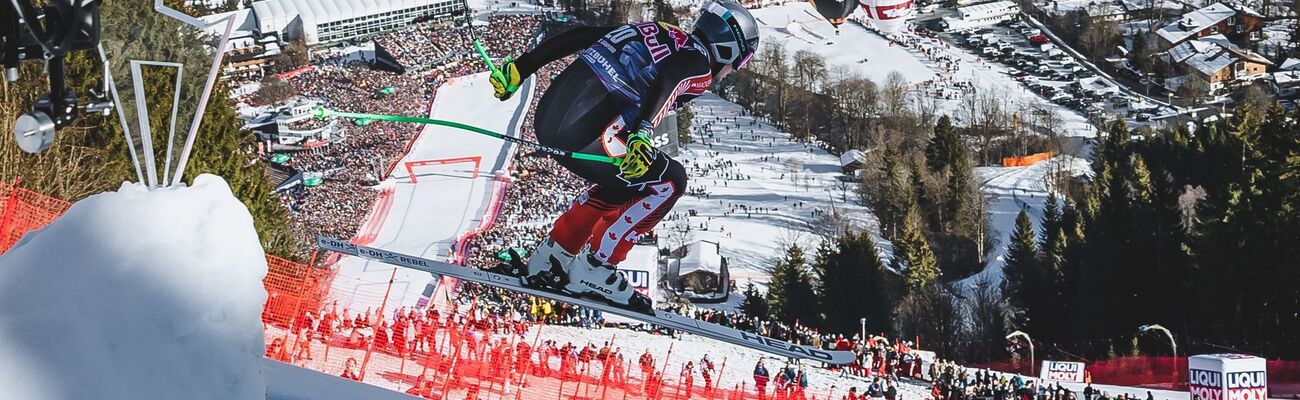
(50, 33)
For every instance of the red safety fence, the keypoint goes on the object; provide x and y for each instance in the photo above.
(453, 356)
(292, 287)
(1162, 372)
(25, 211)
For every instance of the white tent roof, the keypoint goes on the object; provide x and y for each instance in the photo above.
(242, 22)
(276, 15)
(701, 256)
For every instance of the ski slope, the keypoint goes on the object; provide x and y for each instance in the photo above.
(793, 172)
(425, 218)
(797, 26)
(1010, 189)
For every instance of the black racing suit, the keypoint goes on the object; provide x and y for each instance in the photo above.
(625, 76)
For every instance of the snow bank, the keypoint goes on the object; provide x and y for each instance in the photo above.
(136, 294)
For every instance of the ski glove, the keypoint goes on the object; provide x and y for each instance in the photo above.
(505, 80)
(640, 154)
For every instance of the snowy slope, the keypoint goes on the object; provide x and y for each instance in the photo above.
(749, 239)
(797, 26)
(740, 361)
(136, 294)
(1008, 190)
(290, 382)
(424, 218)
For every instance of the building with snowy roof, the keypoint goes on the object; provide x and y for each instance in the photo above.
(1286, 84)
(698, 272)
(331, 21)
(1238, 23)
(1217, 61)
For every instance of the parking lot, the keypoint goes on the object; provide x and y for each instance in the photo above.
(1036, 62)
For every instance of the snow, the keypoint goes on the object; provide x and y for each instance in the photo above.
(750, 241)
(136, 294)
(1010, 189)
(424, 218)
(797, 26)
(740, 361)
(289, 382)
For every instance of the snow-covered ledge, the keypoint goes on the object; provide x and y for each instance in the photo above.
(136, 294)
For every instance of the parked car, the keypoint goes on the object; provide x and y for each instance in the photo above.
(1039, 39)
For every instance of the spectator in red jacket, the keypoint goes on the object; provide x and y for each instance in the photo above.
(760, 379)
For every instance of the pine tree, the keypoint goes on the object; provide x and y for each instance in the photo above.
(853, 284)
(946, 148)
(754, 304)
(790, 295)
(914, 255)
(1021, 270)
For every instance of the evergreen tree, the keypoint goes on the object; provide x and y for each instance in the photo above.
(913, 255)
(754, 304)
(1022, 277)
(853, 284)
(790, 295)
(946, 149)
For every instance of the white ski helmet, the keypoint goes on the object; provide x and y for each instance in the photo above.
(728, 31)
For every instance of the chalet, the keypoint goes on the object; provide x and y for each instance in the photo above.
(1238, 24)
(1215, 60)
(1286, 81)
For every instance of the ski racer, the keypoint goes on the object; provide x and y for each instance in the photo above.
(609, 102)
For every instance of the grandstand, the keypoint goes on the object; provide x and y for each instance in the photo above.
(331, 21)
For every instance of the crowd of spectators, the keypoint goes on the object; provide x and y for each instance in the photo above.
(363, 153)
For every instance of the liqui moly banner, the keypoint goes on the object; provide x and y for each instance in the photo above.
(1065, 371)
(1227, 377)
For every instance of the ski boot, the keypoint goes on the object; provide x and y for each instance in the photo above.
(546, 268)
(589, 275)
(514, 266)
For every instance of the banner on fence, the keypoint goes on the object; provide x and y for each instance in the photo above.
(1227, 377)
(1065, 371)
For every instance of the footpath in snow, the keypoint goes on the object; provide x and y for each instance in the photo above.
(425, 218)
(1010, 189)
(753, 187)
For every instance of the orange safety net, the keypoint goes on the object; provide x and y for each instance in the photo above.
(1026, 160)
(463, 351)
(25, 211)
(291, 287)
(431, 356)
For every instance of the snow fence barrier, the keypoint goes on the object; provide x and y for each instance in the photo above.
(25, 211)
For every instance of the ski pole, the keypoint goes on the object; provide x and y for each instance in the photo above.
(478, 46)
(322, 113)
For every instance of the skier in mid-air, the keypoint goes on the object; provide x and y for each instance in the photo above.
(628, 78)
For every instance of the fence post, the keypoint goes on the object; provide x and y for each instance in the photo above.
(371, 347)
(297, 308)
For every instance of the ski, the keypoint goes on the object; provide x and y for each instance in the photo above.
(656, 317)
